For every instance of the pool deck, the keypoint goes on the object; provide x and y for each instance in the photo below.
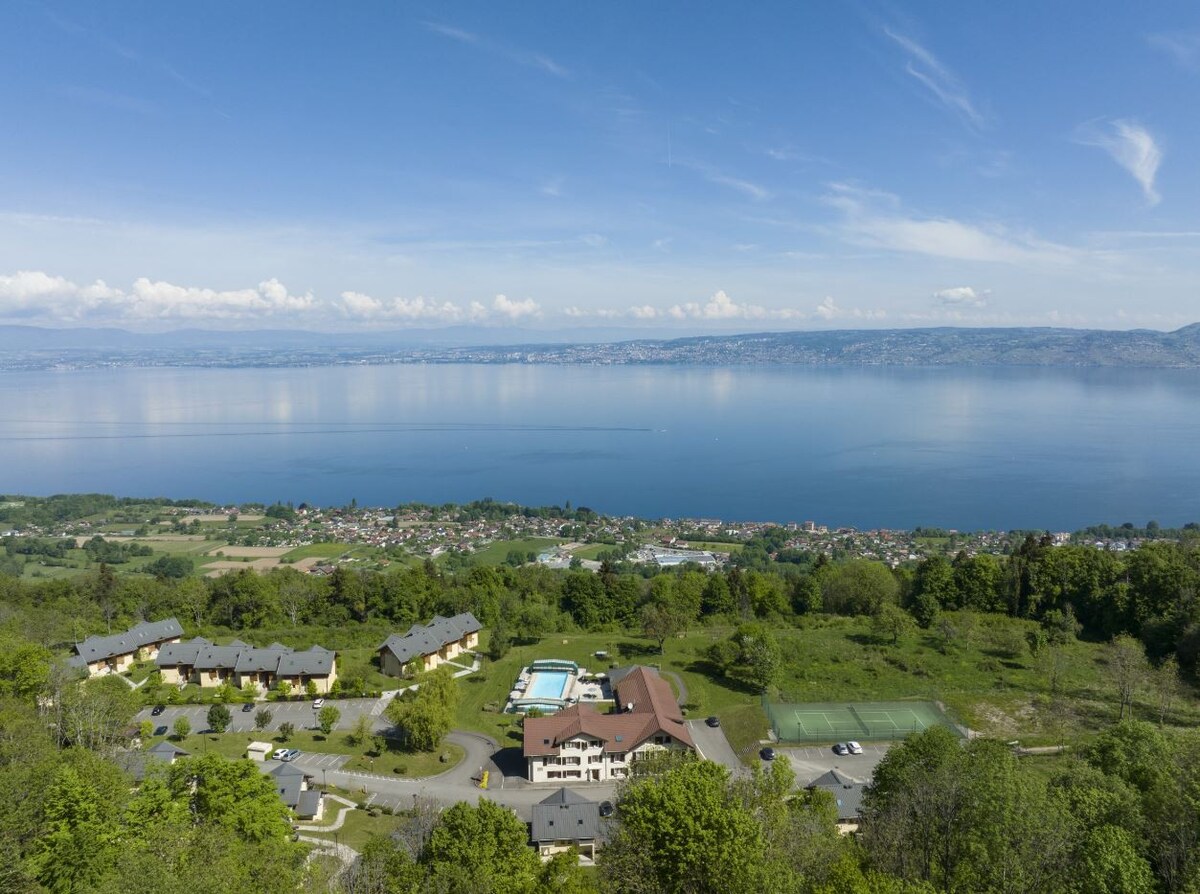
(581, 687)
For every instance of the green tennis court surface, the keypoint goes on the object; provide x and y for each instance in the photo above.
(873, 721)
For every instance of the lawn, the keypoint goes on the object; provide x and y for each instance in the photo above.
(319, 550)
(390, 761)
(497, 553)
(359, 826)
(987, 678)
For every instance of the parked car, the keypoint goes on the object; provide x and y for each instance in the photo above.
(854, 747)
(318, 703)
(713, 721)
(291, 754)
(841, 748)
(157, 709)
(606, 808)
(279, 753)
(249, 706)
(767, 754)
(161, 731)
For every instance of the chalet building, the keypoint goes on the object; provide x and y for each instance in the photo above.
(563, 821)
(579, 743)
(207, 664)
(115, 654)
(442, 639)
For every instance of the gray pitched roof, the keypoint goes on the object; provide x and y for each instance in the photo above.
(218, 657)
(315, 662)
(254, 660)
(309, 804)
(846, 792)
(239, 657)
(289, 781)
(427, 639)
(565, 816)
(147, 633)
(174, 654)
(168, 751)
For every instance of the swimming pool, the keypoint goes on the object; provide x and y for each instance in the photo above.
(547, 684)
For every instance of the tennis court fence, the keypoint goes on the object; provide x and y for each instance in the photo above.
(822, 722)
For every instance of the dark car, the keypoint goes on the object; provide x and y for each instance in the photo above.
(606, 808)
(767, 754)
(713, 721)
(157, 709)
(161, 731)
(249, 706)
(841, 748)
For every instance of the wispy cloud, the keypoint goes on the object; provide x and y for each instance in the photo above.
(943, 84)
(874, 218)
(1182, 46)
(720, 178)
(1131, 146)
(108, 99)
(512, 54)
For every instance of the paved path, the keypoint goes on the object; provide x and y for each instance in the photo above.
(679, 684)
(337, 823)
(714, 746)
(459, 783)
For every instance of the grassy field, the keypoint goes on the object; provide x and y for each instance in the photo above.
(319, 550)
(358, 828)
(715, 546)
(484, 693)
(401, 763)
(497, 553)
(987, 678)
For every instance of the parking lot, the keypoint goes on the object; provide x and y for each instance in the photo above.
(302, 715)
(811, 761)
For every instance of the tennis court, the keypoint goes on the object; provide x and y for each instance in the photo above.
(871, 721)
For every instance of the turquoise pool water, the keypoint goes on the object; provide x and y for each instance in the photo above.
(547, 684)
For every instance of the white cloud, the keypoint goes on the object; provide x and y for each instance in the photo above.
(720, 307)
(945, 86)
(865, 222)
(418, 309)
(828, 309)
(645, 312)
(515, 310)
(961, 296)
(1131, 146)
(593, 240)
(40, 295)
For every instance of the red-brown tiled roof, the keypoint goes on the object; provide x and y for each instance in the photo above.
(654, 711)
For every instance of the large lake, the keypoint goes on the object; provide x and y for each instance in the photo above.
(965, 448)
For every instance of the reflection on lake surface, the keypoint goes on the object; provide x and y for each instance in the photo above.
(966, 448)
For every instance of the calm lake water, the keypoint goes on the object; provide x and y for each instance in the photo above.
(965, 448)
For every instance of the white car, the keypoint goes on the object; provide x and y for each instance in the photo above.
(854, 747)
(279, 753)
(318, 704)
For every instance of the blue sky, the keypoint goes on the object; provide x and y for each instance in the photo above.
(667, 167)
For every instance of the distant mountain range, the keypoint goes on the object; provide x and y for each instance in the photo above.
(30, 347)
